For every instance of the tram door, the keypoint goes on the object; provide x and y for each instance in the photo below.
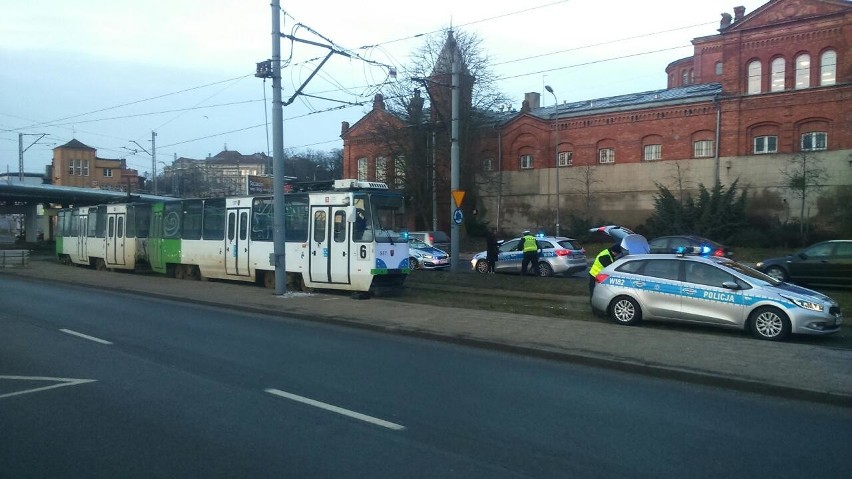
(237, 243)
(329, 245)
(82, 232)
(115, 240)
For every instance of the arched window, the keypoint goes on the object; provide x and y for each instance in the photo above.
(777, 80)
(803, 71)
(828, 68)
(684, 78)
(754, 72)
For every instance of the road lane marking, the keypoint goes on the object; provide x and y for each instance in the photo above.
(62, 382)
(85, 336)
(338, 410)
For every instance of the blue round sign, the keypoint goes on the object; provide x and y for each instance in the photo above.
(458, 216)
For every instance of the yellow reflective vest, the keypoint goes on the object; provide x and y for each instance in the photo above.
(530, 244)
(597, 266)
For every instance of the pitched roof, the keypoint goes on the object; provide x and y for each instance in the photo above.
(76, 145)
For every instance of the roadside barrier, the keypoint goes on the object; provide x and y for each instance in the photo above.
(14, 258)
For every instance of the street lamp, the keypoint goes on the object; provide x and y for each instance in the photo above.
(556, 113)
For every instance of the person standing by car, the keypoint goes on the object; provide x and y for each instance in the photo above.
(529, 246)
(602, 260)
(491, 249)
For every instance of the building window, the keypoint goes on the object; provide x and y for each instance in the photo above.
(828, 68)
(765, 144)
(803, 71)
(85, 167)
(754, 72)
(606, 155)
(79, 164)
(71, 167)
(399, 172)
(815, 140)
(566, 158)
(526, 162)
(684, 78)
(702, 149)
(653, 152)
(381, 170)
(362, 169)
(488, 164)
(718, 68)
(108, 172)
(778, 70)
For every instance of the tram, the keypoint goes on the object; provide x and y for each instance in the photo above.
(347, 236)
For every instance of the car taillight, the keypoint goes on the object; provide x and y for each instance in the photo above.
(601, 277)
(562, 252)
(431, 239)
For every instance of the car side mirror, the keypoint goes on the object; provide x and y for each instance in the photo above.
(730, 285)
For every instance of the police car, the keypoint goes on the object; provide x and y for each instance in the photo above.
(423, 256)
(559, 255)
(700, 288)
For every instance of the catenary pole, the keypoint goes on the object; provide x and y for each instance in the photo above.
(454, 160)
(278, 235)
(556, 114)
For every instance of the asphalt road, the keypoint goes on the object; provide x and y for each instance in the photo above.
(153, 388)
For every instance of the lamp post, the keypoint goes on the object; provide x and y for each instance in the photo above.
(556, 113)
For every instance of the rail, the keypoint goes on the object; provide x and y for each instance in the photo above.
(14, 258)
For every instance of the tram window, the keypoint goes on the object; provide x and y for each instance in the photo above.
(232, 227)
(192, 211)
(100, 223)
(171, 219)
(339, 226)
(110, 226)
(243, 225)
(261, 219)
(363, 228)
(319, 226)
(92, 229)
(296, 218)
(119, 230)
(131, 221)
(214, 219)
(74, 225)
(141, 222)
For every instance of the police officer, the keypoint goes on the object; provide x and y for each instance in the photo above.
(602, 260)
(529, 246)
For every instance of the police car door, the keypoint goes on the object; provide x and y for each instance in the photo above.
(508, 257)
(658, 288)
(705, 300)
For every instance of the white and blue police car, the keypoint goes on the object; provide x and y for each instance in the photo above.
(690, 286)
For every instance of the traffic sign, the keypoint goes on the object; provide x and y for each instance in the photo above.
(458, 216)
(458, 196)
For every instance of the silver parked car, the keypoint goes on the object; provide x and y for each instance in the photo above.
(559, 255)
(711, 290)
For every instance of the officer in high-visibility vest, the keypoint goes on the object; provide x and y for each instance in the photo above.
(602, 260)
(529, 246)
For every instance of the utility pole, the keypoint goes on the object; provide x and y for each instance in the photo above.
(556, 114)
(454, 161)
(153, 154)
(21, 151)
(278, 234)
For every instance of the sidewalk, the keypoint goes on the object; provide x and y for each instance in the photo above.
(790, 370)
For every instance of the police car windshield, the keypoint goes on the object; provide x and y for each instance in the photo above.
(751, 272)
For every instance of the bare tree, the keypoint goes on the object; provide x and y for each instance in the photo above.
(804, 176)
(583, 184)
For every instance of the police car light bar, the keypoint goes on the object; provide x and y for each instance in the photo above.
(358, 184)
(693, 250)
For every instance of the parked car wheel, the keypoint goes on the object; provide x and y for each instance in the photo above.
(413, 264)
(625, 310)
(770, 324)
(777, 272)
(544, 270)
(482, 266)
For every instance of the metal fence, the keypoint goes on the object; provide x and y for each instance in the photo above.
(14, 258)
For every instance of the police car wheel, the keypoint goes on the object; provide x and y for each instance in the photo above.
(544, 270)
(625, 310)
(770, 324)
(777, 272)
(413, 264)
(482, 266)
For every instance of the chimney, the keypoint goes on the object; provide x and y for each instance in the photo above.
(739, 13)
(726, 21)
(533, 99)
(378, 102)
(344, 127)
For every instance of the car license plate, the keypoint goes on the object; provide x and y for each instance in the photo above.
(441, 261)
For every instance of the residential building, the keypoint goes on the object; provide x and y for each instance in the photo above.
(77, 164)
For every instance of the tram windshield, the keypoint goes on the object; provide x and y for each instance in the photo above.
(379, 217)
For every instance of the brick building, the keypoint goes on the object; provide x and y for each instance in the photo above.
(77, 164)
(771, 86)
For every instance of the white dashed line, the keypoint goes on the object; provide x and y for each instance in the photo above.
(85, 336)
(338, 410)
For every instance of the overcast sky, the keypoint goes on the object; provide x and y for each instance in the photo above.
(109, 72)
